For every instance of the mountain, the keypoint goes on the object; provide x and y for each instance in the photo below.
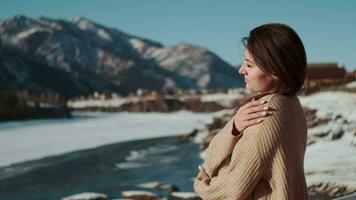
(79, 56)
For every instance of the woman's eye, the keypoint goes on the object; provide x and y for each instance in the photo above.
(249, 66)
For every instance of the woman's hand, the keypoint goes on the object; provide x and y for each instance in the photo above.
(250, 114)
(203, 175)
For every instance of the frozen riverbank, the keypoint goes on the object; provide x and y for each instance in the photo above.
(34, 139)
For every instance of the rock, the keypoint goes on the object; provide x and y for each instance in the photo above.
(336, 133)
(329, 190)
(140, 195)
(86, 196)
(184, 196)
(321, 134)
(214, 128)
(122, 199)
(345, 121)
(310, 141)
(217, 123)
(348, 197)
(337, 117)
(317, 122)
(312, 120)
(184, 138)
(159, 186)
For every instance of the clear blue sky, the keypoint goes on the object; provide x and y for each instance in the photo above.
(327, 28)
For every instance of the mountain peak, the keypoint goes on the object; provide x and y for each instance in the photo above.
(17, 21)
(85, 23)
(83, 20)
(82, 56)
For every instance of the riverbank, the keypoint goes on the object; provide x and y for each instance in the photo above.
(35, 139)
(19, 106)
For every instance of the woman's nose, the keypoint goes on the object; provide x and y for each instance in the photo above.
(242, 69)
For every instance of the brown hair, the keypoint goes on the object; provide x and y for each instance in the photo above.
(278, 50)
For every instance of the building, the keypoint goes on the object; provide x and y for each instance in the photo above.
(323, 74)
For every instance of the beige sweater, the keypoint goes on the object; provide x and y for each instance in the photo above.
(265, 161)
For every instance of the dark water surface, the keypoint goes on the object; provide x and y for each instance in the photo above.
(103, 169)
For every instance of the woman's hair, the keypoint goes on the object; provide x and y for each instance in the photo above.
(278, 50)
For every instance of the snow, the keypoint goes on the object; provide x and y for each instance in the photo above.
(332, 160)
(104, 35)
(332, 103)
(27, 33)
(184, 195)
(351, 85)
(154, 184)
(133, 193)
(116, 102)
(85, 24)
(137, 159)
(34, 139)
(137, 44)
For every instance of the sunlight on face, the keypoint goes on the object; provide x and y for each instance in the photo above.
(256, 80)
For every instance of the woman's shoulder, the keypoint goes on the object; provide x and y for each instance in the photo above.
(275, 98)
(272, 125)
(280, 106)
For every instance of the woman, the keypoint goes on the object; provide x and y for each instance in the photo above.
(259, 154)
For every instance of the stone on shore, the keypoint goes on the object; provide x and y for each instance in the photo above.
(86, 196)
(159, 186)
(329, 190)
(140, 195)
(184, 196)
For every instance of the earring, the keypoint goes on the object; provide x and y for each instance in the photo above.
(274, 77)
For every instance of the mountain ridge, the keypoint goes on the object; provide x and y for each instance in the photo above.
(99, 58)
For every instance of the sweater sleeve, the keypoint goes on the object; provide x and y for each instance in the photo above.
(239, 177)
(220, 148)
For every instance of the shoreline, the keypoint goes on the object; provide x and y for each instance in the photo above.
(87, 131)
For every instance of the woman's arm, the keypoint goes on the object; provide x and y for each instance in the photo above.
(220, 147)
(239, 177)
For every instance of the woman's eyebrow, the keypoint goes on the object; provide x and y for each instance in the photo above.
(249, 60)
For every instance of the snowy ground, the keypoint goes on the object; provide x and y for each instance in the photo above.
(332, 160)
(332, 103)
(34, 139)
(116, 102)
(225, 99)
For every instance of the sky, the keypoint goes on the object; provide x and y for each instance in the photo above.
(327, 28)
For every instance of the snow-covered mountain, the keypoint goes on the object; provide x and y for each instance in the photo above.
(80, 56)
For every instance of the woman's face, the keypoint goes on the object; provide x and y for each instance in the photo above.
(256, 80)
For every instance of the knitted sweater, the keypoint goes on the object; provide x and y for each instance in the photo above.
(265, 161)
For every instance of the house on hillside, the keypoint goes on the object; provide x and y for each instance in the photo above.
(321, 74)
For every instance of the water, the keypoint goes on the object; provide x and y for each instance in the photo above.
(34, 139)
(97, 152)
(108, 169)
